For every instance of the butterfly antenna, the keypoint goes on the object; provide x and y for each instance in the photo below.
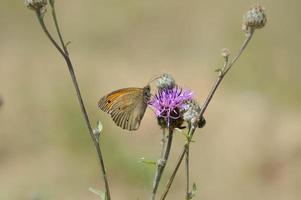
(155, 78)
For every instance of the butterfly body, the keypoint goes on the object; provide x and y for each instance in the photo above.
(126, 106)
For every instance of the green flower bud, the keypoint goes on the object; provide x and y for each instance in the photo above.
(255, 18)
(165, 81)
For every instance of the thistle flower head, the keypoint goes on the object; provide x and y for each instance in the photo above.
(191, 113)
(190, 110)
(167, 104)
(255, 18)
(165, 81)
(37, 5)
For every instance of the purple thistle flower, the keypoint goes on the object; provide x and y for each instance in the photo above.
(168, 102)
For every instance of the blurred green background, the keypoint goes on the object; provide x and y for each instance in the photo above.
(250, 148)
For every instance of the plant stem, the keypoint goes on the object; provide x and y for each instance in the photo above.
(65, 55)
(42, 23)
(163, 143)
(190, 126)
(187, 172)
(224, 71)
(162, 163)
(173, 175)
(179, 161)
(58, 30)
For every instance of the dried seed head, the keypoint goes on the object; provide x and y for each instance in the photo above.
(165, 81)
(191, 111)
(255, 18)
(37, 5)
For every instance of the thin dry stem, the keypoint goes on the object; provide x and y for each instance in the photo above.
(224, 71)
(58, 30)
(65, 55)
(162, 163)
(173, 175)
(187, 146)
(187, 172)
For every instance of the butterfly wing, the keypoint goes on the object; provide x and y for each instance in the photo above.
(126, 107)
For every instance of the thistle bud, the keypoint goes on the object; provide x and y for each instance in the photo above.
(255, 18)
(225, 52)
(165, 81)
(37, 5)
(202, 122)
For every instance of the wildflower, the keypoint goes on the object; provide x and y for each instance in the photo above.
(255, 18)
(37, 5)
(167, 104)
(165, 81)
(190, 110)
(191, 113)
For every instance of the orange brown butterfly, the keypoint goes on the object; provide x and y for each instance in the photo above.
(126, 106)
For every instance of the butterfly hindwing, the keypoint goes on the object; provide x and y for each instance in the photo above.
(126, 107)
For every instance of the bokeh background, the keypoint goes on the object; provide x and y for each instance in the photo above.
(250, 148)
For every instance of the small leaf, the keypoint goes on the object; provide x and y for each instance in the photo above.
(218, 70)
(188, 138)
(68, 43)
(193, 192)
(148, 162)
(194, 189)
(99, 126)
(99, 193)
(97, 130)
(179, 130)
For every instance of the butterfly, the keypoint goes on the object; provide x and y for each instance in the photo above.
(126, 106)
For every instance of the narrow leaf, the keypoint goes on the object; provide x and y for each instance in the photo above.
(99, 193)
(148, 162)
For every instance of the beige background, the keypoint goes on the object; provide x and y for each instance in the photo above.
(250, 148)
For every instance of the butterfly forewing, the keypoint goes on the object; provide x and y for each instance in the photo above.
(126, 107)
